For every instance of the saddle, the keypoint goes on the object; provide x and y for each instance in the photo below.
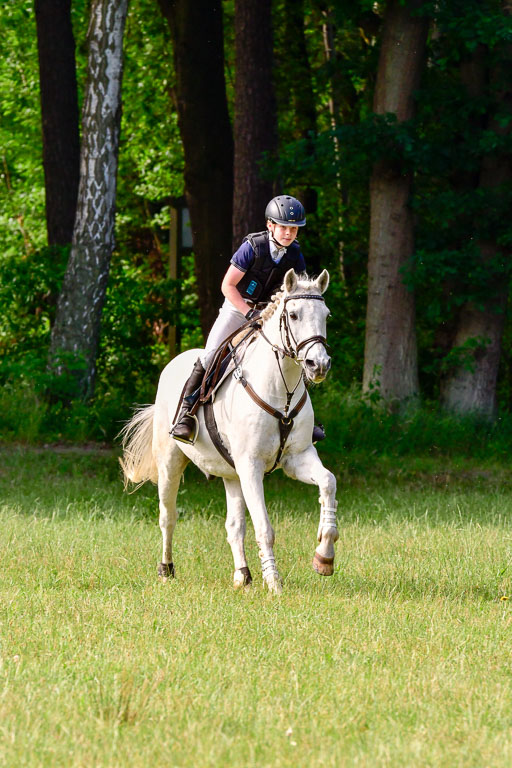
(224, 361)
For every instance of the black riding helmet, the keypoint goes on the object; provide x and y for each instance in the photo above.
(286, 210)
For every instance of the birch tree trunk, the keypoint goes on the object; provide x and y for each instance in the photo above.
(390, 345)
(59, 113)
(255, 122)
(75, 335)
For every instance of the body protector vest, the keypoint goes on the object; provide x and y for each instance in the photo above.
(264, 277)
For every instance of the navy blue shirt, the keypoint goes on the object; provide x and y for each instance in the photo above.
(243, 258)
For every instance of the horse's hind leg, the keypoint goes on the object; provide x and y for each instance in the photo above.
(171, 465)
(235, 529)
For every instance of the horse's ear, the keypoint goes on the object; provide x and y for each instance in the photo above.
(322, 281)
(290, 281)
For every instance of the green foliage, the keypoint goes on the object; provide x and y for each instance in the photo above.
(455, 130)
(21, 173)
(138, 311)
(151, 152)
(359, 431)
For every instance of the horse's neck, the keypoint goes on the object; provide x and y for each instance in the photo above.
(263, 369)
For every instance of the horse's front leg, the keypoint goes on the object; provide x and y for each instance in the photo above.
(235, 529)
(308, 468)
(251, 479)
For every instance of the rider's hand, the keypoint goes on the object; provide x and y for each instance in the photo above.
(252, 314)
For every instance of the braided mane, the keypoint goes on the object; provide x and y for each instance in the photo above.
(272, 306)
(303, 284)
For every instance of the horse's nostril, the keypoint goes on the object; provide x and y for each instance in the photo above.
(311, 364)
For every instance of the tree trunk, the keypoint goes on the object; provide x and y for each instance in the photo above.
(255, 123)
(390, 345)
(298, 83)
(59, 112)
(470, 387)
(197, 34)
(75, 334)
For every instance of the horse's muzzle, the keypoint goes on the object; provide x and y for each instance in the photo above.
(317, 370)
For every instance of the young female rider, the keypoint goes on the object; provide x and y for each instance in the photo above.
(256, 271)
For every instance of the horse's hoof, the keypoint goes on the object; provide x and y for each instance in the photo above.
(323, 565)
(242, 578)
(274, 584)
(165, 572)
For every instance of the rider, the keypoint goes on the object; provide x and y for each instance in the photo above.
(256, 271)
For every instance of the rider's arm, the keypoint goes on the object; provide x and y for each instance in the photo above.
(231, 292)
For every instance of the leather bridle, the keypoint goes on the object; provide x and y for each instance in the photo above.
(286, 331)
(291, 347)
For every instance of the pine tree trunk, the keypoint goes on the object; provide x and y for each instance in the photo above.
(59, 112)
(197, 35)
(390, 346)
(75, 334)
(255, 123)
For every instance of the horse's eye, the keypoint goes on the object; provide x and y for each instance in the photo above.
(293, 315)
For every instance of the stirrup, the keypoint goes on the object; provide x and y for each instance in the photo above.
(189, 441)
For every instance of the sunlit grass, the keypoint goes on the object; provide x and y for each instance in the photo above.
(403, 658)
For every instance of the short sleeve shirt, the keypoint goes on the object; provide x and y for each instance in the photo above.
(243, 258)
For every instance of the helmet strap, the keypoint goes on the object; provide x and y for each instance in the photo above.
(280, 247)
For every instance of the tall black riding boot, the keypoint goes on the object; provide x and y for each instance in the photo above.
(185, 428)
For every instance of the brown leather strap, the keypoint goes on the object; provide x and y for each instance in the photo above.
(213, 431)
(285, 427)
(285, 422)
(257, 399)
(313, 340)
(268, 408)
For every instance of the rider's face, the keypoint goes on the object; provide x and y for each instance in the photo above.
(283, 235)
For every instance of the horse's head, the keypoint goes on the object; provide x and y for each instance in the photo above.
(302, 323)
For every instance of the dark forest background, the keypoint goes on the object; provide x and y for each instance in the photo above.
(389, 120)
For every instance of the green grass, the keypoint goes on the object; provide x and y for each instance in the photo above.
(403, 658)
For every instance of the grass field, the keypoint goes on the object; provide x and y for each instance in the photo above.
(402, 658)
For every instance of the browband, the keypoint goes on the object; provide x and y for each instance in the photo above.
(304, 296)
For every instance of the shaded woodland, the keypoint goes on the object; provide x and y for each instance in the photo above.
(390, 121)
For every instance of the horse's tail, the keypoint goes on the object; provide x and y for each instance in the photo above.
(137, 462)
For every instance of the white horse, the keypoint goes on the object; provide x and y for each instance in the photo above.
(287, 350)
